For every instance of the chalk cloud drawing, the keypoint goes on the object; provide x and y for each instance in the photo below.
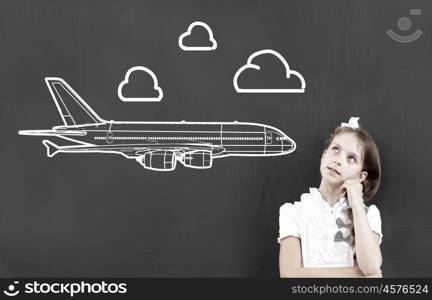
(251, 65)
(190, 31)
(134, 71)
(157, 146)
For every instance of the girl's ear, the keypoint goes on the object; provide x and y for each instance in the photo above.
(362, 176)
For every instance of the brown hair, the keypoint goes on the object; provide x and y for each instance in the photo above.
(371, 159)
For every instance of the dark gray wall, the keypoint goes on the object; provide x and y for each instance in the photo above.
(103, 215)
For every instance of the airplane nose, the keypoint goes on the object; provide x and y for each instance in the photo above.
(288, 145)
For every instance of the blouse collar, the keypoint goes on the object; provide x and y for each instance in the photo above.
(342, 202)
(316, 194)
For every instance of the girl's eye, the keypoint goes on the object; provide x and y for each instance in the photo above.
(352, 159)
(335, 149)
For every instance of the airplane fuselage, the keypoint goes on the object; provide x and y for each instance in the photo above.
(225, 138)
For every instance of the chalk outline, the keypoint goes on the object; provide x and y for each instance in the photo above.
(189, 32)
(140, 99)
(190, 145)
(257, 67)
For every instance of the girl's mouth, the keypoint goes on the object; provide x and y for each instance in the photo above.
(333, 170)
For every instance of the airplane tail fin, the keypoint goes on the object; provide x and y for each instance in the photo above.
(72, 108)
(52, 149)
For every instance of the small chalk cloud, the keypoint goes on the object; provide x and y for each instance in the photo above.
(140, 85)
(250, 66)
(185, 39)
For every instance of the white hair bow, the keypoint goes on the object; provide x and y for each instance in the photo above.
(353, 123)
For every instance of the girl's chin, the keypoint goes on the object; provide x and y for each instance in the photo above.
(332, 180)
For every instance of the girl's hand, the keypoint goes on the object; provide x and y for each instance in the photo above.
(354, 190)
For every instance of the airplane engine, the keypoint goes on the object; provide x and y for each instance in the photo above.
(198, 159)
(158, 160)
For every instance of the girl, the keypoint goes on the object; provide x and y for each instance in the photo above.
(330, 232)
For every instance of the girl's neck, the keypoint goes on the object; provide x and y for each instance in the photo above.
(330, 193)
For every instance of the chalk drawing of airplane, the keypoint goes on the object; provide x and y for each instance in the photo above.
(155, 145)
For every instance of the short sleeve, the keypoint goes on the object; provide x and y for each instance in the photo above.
(374, 219)
(287, 222)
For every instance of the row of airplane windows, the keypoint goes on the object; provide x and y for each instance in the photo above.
(180, 138)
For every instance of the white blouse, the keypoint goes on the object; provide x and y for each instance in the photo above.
(326, 232)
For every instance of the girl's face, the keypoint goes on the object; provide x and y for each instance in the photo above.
(343, 159)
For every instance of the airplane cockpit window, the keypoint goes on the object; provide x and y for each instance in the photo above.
(269, 137)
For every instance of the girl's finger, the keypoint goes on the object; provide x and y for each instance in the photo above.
(348, 182)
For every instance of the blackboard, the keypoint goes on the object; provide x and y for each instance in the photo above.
(104, 215)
